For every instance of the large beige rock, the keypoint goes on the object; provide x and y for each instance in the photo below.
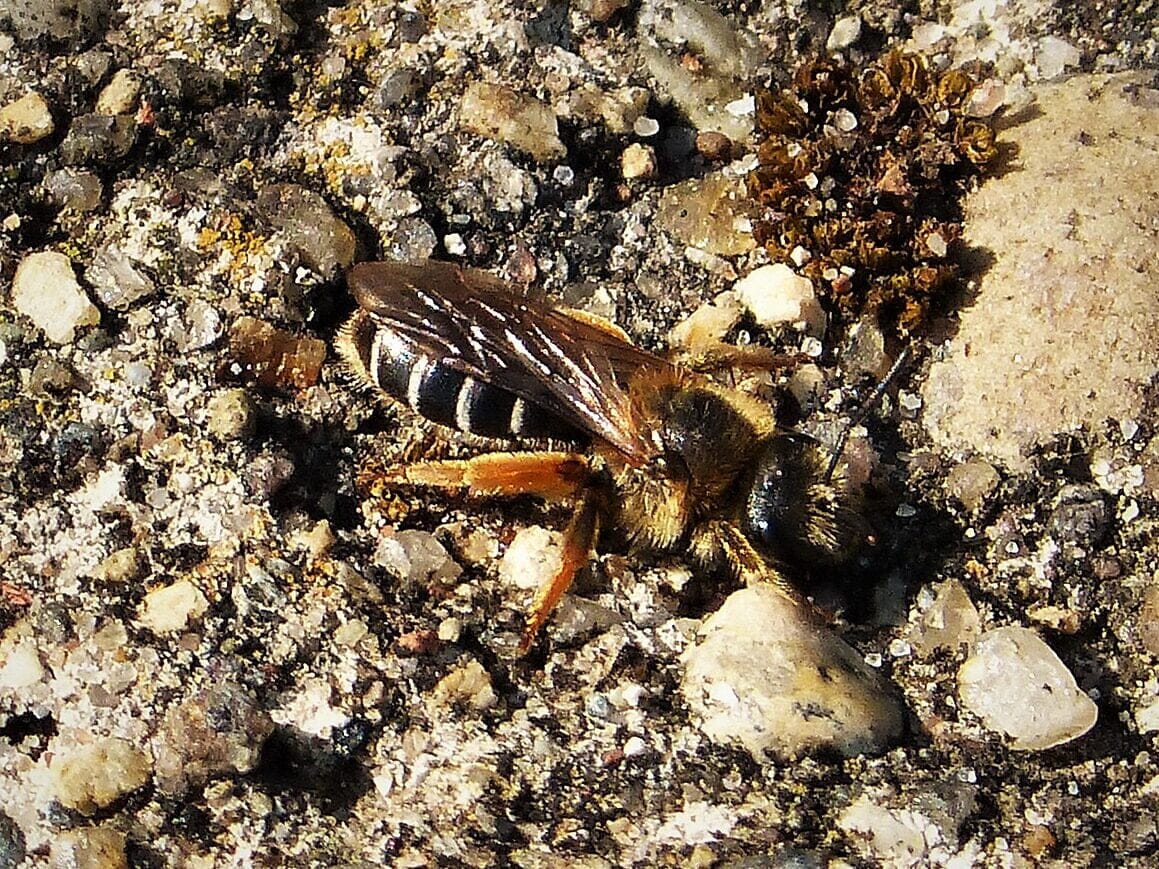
(1064, 332)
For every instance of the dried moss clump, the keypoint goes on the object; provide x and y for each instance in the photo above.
(864, 170)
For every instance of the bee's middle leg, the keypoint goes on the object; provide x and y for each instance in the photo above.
(717, 356)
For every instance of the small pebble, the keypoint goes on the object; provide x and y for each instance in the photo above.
(98, 774)
(1054, 56)
(76, 189)
(413, 240)
(97, 140)
(710, 213)
(119, 96)
(412, 25)
(986, 98)
(950, 622)
(324, 241)
(601, 10)
(844, 120)
(845, 32)
(469, 685)
(120, 567)
(450, 629)
(1017, 685)
(865, 353)
(200, 327)
(218, 731)
(415, 557)
(26, 120)
(645, 127)
(1080, 515)
(972, 482)
(46, 290)
(764, 676)
(20, 667)
(921, 829)
(231, 415)
(454, 244)
(638, 161)
(712, 145)
(90, 848)
(274, 357)
(708, 324)
(1065, 621)
(172, 607)
(499, 113)
(116, 280)
(775, 294)
(13, 845)
(398, 85)
(531, 559)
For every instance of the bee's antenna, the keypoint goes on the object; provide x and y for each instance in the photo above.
(878, 392)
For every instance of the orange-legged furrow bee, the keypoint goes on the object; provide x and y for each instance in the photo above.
(671, 458)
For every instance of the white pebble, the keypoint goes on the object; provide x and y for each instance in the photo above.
(454, 244)
(1017, 685)
(21, 667)
(415, 556)
(646, 127)
(845, 32)
(775, 294)
(532, 558)
(46, 290)
(1054, 55)
(171, 608)
(766, 677)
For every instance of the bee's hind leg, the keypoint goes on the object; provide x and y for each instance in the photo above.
(549, 475)
(578, 541)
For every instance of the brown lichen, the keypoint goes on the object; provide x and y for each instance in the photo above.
(864, 170)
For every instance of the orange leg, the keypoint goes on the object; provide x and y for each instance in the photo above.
(578, 540)
(550, 475)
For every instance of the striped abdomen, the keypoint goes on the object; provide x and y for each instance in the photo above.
(438, 392)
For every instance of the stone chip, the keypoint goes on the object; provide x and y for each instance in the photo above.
(94, 776)
(765, 677)
(45, 290)
(1017, 685)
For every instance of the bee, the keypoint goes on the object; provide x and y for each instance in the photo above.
(672, 459)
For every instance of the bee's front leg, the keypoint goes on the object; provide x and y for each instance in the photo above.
(720, 543)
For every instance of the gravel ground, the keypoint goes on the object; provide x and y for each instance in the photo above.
(223, 643)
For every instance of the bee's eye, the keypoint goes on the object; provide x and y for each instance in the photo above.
(774, 509)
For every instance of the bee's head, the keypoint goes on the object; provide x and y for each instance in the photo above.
(793, 511)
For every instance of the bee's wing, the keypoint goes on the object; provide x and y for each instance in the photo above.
(480, 325)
